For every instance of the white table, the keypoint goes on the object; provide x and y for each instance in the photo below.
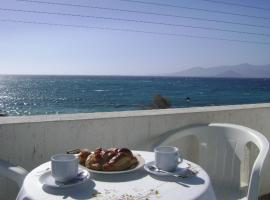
(132, 186)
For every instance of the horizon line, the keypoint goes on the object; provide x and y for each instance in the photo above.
(154, 76)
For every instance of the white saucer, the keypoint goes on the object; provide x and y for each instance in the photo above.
(47, 179)
(179, 170)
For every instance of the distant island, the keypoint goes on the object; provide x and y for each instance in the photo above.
(244, 70)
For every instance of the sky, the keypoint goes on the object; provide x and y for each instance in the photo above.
(129, 43)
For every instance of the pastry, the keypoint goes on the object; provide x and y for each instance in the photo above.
(113, 159)
(82, 156)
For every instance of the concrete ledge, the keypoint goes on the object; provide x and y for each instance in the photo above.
(124, 114)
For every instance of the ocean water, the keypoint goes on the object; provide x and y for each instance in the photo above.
(35, 95)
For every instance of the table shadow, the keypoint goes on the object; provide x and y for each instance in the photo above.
(83, 191)
(125, 177)
(187, 182)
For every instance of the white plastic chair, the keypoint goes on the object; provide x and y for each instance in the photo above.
(222, 152)
(12, 172)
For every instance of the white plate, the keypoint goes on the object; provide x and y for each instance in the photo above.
(179, 170)
(47, 179)
(140, 165)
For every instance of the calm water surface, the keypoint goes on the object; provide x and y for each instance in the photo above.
(33, 95)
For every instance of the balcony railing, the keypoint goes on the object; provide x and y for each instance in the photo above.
(29, 141)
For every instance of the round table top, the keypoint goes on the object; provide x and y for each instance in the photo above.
(128, 186)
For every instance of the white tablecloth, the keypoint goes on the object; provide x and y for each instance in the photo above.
(132, 186)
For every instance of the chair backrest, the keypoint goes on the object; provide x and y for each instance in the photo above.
(222, 153)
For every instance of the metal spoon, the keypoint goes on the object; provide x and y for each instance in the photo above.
(186, 172)
(82, 175)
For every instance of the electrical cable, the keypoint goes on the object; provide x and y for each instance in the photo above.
(133, 30)
(144, 12)
(190, 8)
(137, 21)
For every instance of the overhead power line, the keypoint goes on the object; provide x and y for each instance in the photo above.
(146, 13)
(191, 8)
(133, 20)
(236, 4)
(132, 31)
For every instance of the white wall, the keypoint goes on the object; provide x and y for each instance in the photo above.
(29, 141)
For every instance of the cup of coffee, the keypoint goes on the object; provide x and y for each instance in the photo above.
(167, 158)
(64, 167)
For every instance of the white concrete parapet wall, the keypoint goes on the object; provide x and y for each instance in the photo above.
(30, 141)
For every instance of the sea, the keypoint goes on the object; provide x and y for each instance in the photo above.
(39, 95)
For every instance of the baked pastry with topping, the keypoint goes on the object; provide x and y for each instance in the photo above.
(113, 159)
(82, 156)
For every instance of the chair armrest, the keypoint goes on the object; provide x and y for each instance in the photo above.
(12, 172)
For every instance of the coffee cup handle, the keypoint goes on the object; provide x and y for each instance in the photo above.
(180, 159)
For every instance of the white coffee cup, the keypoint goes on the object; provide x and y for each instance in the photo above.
(64, 167)
(167, 158)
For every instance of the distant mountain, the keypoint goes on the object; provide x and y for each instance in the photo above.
(229, 73)
(233, 71)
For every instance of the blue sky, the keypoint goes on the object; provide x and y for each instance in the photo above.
(44, 49)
